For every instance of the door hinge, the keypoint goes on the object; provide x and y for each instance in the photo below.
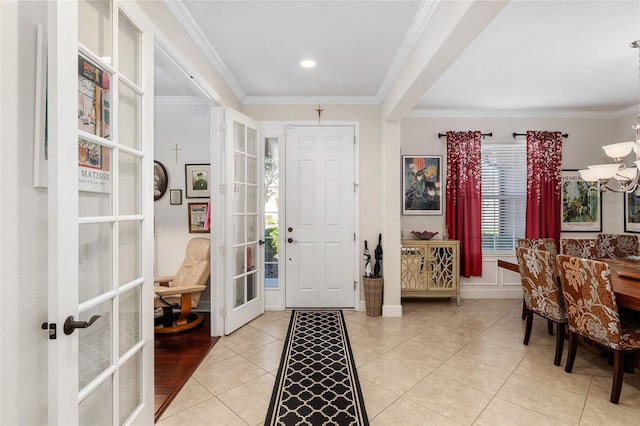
(223, 127)
(223, 312)
(354, 139)
(52, 329)
(223, 188)
(354, 284)
(223, 251)
(354, 236)
(355, 187)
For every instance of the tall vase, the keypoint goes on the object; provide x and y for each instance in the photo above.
(445, 232)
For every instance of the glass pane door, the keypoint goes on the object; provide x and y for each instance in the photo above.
(106, 216)
(244, 297)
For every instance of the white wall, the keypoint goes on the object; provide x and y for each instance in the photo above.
(23, 225)
(583, 147)
(188, 126)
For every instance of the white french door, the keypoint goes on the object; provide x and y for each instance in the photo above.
(320, 216)
(244, 249)
(100, 155)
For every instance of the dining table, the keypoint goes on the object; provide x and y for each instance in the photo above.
(625, 280)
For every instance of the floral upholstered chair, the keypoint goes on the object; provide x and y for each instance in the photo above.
(542, 293)
(593, 313)
(617, 246)
(546, 244)
(586, 248)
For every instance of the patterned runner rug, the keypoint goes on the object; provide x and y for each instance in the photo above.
(317, 383)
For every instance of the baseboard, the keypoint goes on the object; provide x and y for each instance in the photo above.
(491, 293)
(387, 310)
(391, 310)
(203, 306)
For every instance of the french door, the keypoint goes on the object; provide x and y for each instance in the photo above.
(100, 155)
(244, 244)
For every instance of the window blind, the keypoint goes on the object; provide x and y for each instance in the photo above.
(504, 193)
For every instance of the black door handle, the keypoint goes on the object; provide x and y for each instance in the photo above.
(261, 242)
(71, 324)
(289, 240)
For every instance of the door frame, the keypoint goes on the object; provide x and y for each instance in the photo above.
(276, 298)
(208, 94)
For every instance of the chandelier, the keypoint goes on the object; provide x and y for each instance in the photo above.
(618, 177)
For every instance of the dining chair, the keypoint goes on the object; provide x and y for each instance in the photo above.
(617, 246)
(542, 293)
(586, 248)
(546, 244)
(593, 313)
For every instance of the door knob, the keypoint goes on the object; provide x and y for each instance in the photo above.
(289, 240)
(71, 324)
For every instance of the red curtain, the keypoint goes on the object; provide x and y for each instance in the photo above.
(544, 185)
(464, 198)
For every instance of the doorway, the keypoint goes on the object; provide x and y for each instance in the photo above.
(320, 216)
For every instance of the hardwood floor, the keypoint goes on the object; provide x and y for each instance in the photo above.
(176, 358)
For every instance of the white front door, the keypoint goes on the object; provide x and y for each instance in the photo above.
(100, 160)
(320, 218)
(243, 228)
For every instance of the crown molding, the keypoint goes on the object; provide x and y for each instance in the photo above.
(182, 100)
(423, 16)
(183, 16)
(311, 100)
(465, 113)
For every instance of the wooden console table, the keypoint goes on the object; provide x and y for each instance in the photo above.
(430, 268)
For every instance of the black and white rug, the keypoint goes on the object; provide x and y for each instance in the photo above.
(317, 383)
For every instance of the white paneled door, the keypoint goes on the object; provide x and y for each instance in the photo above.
(320, 216)
(100, 161)
(244, 247)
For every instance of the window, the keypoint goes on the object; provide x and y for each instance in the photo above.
(504, 195)
(271, 213)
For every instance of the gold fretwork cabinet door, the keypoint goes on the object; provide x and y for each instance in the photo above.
(430, 269)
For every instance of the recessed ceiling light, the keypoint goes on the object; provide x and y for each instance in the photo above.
(308, 63)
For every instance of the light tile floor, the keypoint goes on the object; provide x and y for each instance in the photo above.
(437, 365)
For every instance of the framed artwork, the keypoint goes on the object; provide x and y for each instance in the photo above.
(175, 197)
(197, 180)
(422, 185)
(581, 204)
(160, 180)
(632, 212)
(197, 218)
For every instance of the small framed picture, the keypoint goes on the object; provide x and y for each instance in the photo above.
(632, 213)
(422, 184)
(581, 204)
(175, 197)
(197, 180)
(160, 180)
(197, 218)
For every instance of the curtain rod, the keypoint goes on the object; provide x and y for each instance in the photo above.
(515, 135)
(484, 135)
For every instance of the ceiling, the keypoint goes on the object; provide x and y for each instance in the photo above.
(533, 56)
